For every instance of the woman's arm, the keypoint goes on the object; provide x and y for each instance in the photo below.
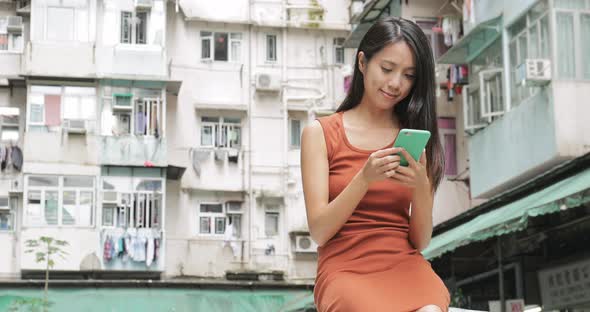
(421, 218)
(416, 177)
(325, 219)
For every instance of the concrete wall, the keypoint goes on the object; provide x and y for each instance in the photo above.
(571, 117)
(508, 150)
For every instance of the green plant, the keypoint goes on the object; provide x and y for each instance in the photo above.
(45, 248)
(33, 304)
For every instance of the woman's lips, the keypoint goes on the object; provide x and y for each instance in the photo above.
(388, 95)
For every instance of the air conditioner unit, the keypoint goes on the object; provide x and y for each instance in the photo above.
(267, 82)
(143, 4)
(76, 126)
(110, 197)
(534, 72)
(122, 101)
(304, 243)
(15, 24)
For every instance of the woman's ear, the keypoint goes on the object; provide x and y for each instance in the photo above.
(362, 62)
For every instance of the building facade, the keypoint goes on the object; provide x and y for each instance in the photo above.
(162, 138)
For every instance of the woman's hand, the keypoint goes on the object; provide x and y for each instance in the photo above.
(415, 175)
(381, 165)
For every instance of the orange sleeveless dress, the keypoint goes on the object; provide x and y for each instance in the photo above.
(370, 264)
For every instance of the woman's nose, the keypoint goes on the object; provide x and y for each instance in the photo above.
(394, 82)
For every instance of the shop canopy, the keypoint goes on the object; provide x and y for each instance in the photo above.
(568, 193)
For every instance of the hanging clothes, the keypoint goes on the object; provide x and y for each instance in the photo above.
(107, 249)
(140, 123)
(156, 248)
(149, 252)
(4, 160)
(17, 158)
(2, 157)
(233, 155)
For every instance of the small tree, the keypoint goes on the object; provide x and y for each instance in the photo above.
(46, 248)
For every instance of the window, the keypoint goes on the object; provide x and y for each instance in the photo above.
(436, 38)
(471, 108)
(138, 113)
(79, 103)
(147, 117)
(7, 212)
(78, 200)
(529, 39)
(134, 202)
(212, 219)
(135, 209)
(49, 105)
(234, 217)
(67, 23)
(585, 44)
(221, 46)
(483, 98)
(448, 138)
(9, 124)
(271, 223)
(572, 26)
(10, 40)
(134, 27)
(295, 130)
(339, 50)
(126, 27)
(221, 132)
(271, 48)
(44, 206)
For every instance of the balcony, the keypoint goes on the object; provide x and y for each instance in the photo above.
(128, 150)
(44, 58)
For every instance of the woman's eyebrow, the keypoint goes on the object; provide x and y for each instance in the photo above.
(395, 64)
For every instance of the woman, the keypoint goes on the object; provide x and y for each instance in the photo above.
(358, 197)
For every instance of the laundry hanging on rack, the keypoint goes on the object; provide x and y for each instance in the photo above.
(138, 245)
(11, 157)
(457, 76)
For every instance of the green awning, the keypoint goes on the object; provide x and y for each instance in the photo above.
(475, 42)
(159, 299)
(571, 192)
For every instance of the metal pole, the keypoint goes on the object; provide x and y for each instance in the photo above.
(501, 275)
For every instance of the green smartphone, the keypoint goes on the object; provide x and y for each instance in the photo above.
(412, 140)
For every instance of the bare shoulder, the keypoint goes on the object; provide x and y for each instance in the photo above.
(312, 137)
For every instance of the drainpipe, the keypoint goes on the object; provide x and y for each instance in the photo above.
(251, 204)
(285, 167)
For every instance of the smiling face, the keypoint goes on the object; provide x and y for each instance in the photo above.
(389, 75)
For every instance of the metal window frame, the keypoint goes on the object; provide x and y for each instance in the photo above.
(212, 218)
(60, 188)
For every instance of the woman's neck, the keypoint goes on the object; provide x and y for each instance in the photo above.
(369, 116)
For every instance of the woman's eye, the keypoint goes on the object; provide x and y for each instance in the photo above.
(385, 70)
(410, 76)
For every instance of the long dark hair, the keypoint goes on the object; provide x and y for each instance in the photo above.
(418, 109)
